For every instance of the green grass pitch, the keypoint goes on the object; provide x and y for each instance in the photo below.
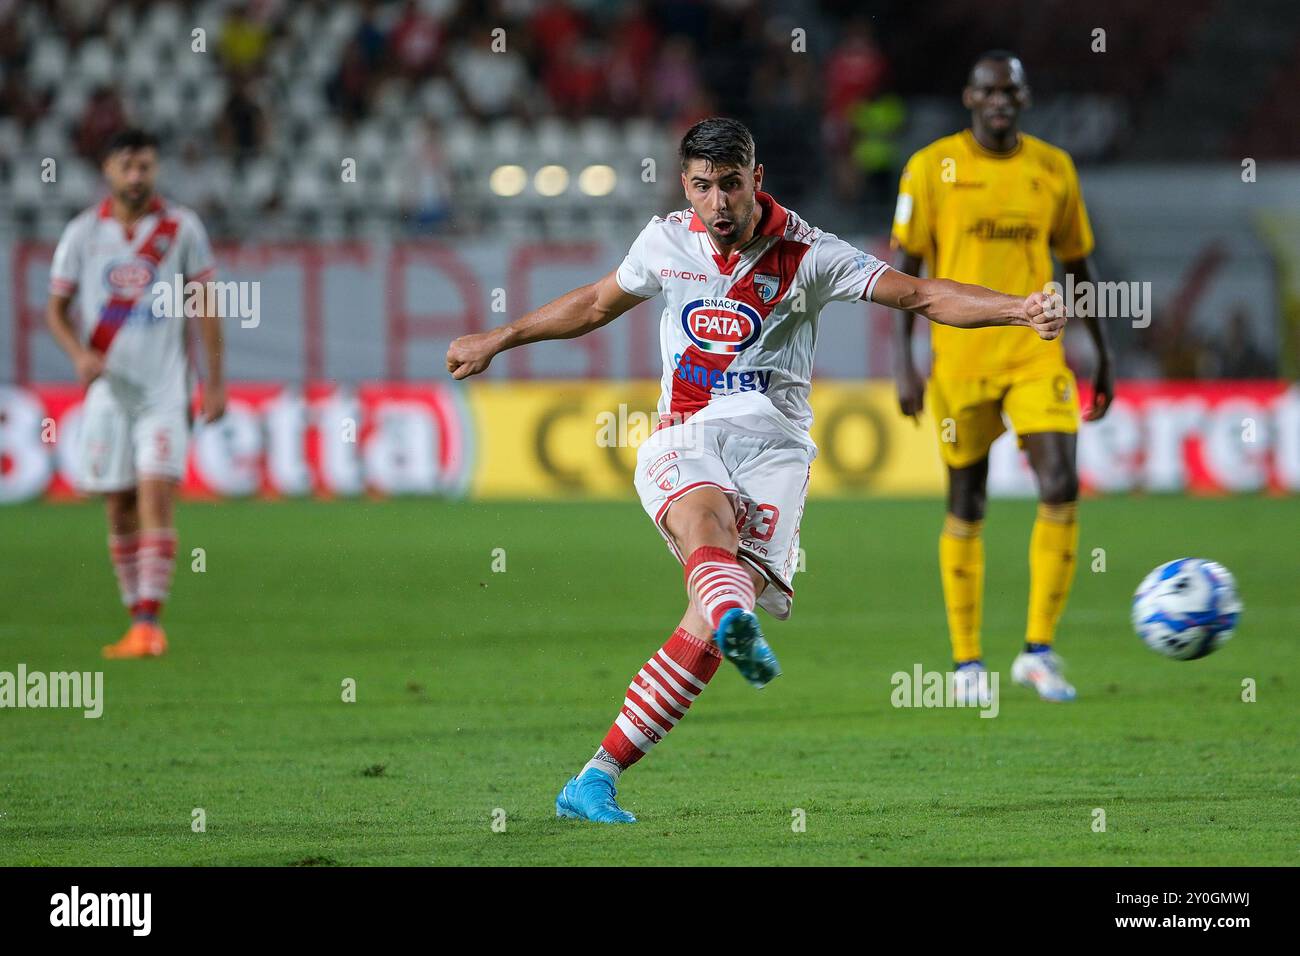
(480, 693)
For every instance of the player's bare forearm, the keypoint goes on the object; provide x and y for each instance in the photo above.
(965, 306)
(1081, 269)
(910, 265)
(89, 363)
(214, 347)
(571, 315)
(60, 325)
(214, 386)
(1103, 376)
(907, 380)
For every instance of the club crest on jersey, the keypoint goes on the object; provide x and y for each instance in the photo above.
(721, 325)
(129, 278)
(766, 286)
(668, 480)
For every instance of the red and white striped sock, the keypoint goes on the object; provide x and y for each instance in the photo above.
(122, 550)
(656, 700)
(157, 557)
(718, 582)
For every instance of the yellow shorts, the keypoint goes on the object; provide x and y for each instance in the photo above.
(968, 411)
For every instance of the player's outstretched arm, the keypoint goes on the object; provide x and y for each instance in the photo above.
(573, 314)
(970, 306)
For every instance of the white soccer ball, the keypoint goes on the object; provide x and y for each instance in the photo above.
(1187, 608)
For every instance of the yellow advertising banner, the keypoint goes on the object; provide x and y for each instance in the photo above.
(579, 440)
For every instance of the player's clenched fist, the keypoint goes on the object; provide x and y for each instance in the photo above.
(1045, 314)
(471, 354)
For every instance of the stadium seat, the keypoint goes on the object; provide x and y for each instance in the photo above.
(438, 99)
(164, 25)
(598, 140)
(168, 106)
(70, 98)
(304, 103)
(306, 189)
(209, 100)
(48, 65)
(194, 67)
(79, 182)
(96, 63)
(26, 190)
(255, 184)
(49, 138)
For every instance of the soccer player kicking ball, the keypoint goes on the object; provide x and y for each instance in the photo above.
(135, 364)
(725, 475)
(990, 205)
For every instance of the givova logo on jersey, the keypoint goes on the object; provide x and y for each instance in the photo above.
(720, 325)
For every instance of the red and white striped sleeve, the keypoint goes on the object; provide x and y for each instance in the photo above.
(65, 269)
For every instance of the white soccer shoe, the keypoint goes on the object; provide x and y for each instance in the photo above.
(1042, 672)
(966, 686)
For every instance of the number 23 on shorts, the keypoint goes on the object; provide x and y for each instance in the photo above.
(757, 521)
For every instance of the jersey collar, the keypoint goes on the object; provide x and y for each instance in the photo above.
(156, 205)
(106, 207)
(984, 151)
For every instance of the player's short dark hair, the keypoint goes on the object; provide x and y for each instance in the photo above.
(720, 142)
(995, 56)
(130, 138)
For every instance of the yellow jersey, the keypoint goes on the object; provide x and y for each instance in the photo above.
(993, 219)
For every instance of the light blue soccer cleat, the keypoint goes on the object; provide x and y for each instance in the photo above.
(741, 642)
(590, 796)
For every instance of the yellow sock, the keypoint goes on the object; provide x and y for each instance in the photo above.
(961, 567)
(1052, 549)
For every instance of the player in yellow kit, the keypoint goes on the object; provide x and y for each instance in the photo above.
(991, 205)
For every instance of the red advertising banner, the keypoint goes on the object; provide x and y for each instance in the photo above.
(325, 441)
(1200, 437)
(386, 439)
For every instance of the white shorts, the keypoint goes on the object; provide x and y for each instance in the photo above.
(125, 437)
(763, 471)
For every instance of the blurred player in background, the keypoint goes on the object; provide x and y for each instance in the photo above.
(725, 475)
(990, 205)
(134, 360)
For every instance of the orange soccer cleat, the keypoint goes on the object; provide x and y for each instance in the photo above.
(144, 639)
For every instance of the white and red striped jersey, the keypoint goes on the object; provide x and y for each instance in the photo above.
(113, 270)
(737, 334)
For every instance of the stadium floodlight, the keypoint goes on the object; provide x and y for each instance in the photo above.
(508, 180)
(597, 180)
(551, 180)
